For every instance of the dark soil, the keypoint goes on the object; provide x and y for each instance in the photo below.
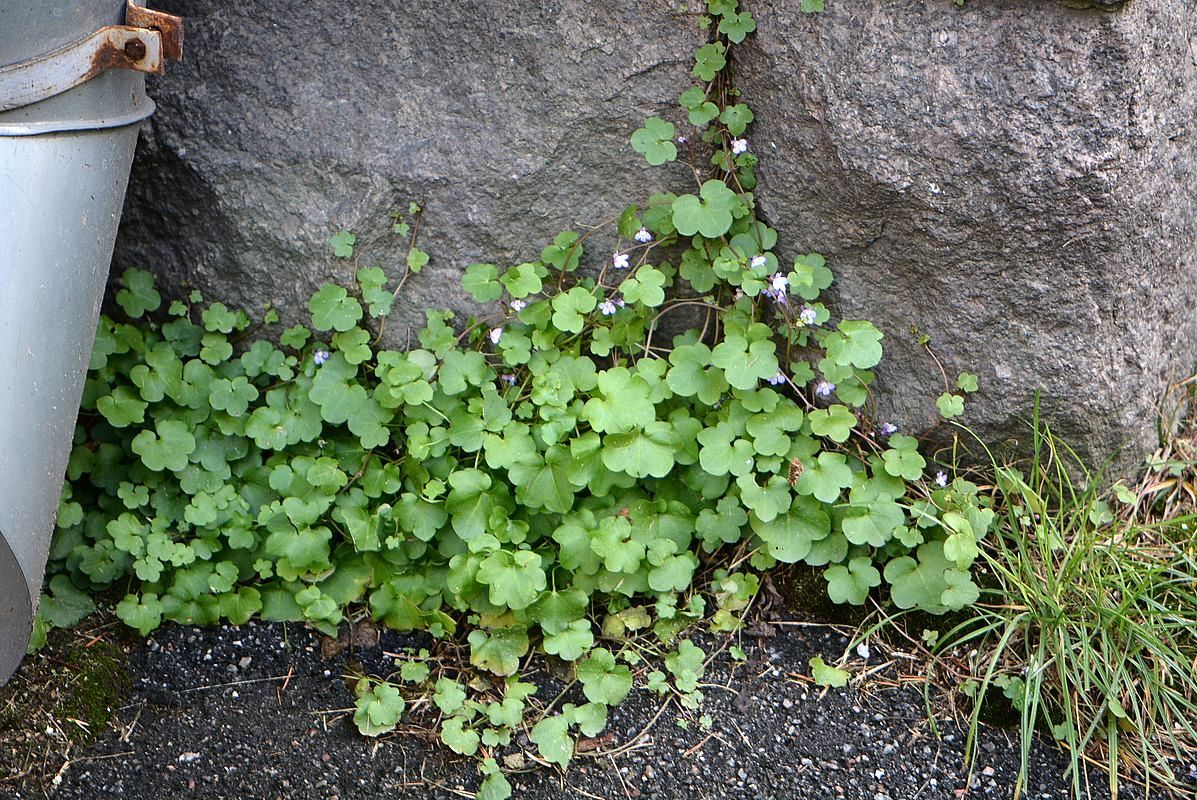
(263, 711)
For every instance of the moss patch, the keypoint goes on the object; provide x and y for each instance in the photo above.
(61, 698)
(805, 593)
(98, 684)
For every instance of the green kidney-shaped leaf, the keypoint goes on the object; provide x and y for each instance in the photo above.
(481, 282)
(709, 60)
(141, 613)
(825, 477)
(855, 343)
(378, 708)
(950, 405)
(834, 423)
(710, 214)
(515, 579)
(122, 408)
(333, 309)
(571, 643)
(544, 483)
(745, 364)
(602, 680)
(569, 308)
(165, 448)
(699, 109)
(851, 583)
(919, 583)
(552, 739)
(342, 244)
(825, 675)
(655, 141)
(500, 650)
(138, 295)
(736, 27)
(643, 453)
(790, 536)
(645, 288)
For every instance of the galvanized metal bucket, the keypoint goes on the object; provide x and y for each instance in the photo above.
(72, 92)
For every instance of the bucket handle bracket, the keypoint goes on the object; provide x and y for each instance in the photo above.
(168, 25)
(148, 38)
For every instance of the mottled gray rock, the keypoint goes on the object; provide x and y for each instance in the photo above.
(1014, 179)
(288, 121)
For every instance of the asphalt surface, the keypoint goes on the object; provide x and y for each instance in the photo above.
(263, 712)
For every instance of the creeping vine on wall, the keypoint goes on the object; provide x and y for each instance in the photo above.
(552, 477)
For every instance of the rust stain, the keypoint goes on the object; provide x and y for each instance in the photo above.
(106, 58)
(130, 56)
(135, 49)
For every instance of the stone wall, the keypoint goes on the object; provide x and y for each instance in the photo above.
(1013, 178)
(290, 120)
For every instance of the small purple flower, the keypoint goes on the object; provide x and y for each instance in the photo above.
(888, 429)
(320, 356)
(619, 302)
(739, 146)
(495, 334)
(682, 140)
(607, 308)
(941, 479)
(824, 388)
(778, 379)
(643, 236)
(808, 315)
(757, 261)
(779, 283)
(619, 260)
(507, 378)
(517, 306)
(776, 296)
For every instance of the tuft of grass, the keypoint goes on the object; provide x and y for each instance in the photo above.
(1088, 625)
(1086, 630)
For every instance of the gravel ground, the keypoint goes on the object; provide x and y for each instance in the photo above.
(260, 712)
